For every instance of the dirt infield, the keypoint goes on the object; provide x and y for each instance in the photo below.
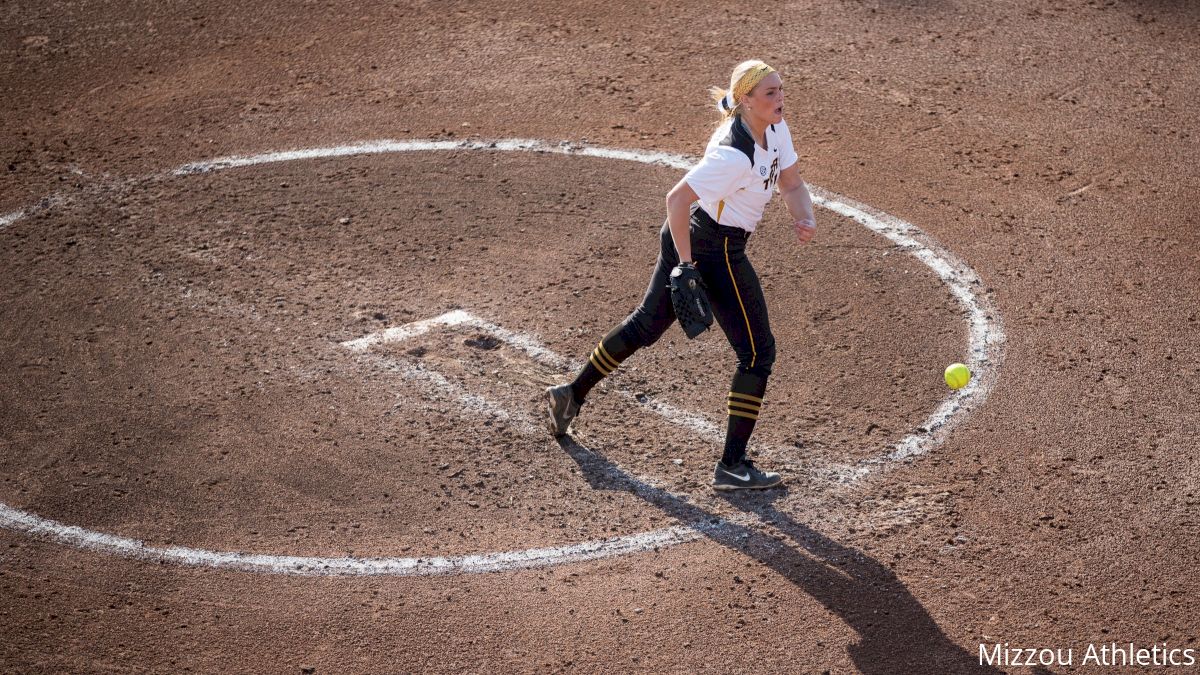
(182, 373)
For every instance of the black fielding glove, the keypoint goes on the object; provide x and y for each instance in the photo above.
(690, 300)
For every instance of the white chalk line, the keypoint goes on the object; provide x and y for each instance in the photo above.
(531, 346)
(985, 349)
(458, 317)
(78, 537)
(697, 424)
(10, 218)
(439, 385)
(986, 334)
(16, 519)
(389, 146)
(44, 204)
(985, 329)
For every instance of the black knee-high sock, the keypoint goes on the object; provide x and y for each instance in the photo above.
(617, 346)
(744, 403)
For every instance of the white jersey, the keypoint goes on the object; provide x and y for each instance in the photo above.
(736, 177)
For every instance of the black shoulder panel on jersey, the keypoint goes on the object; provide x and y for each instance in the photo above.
(739, 138)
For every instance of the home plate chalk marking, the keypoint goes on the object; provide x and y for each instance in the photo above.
(984, 354)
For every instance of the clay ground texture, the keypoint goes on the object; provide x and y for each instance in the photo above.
(282, 415)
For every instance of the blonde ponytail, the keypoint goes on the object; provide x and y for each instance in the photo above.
(724, 105)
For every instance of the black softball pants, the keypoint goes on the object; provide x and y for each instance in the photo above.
(733, 289)
(739, 308)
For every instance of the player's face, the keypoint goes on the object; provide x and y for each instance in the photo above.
(765, 100)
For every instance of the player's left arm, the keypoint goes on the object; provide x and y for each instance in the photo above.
(798, 201)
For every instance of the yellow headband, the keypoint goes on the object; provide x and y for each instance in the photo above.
(749, 81)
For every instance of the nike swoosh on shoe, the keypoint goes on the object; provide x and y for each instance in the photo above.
(737, 476)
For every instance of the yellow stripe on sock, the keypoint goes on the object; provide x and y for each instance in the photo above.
(604, 370)
(739, 413)
(743, 408)
(745, 397)
(600, 357)
(608, 357)
(733, 280)
(744, 404)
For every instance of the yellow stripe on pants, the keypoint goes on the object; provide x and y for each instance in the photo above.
(732, 280)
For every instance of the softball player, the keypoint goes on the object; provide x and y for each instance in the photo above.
(711, 214)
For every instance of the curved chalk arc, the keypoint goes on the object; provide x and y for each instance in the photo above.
(984, 355)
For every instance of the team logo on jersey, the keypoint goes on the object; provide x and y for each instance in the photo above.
(770, 181)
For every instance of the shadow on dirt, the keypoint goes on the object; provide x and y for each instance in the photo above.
(897, 634)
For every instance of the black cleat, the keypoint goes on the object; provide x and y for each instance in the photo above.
(744, 476)
(560, 402)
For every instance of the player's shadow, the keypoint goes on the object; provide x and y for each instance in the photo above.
(897, 634)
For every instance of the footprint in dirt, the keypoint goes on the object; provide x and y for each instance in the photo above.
(486, 342)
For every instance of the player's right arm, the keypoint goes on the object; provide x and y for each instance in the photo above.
(719, 173)
(679, 211)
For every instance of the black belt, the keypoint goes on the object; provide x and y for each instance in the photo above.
(704, 220)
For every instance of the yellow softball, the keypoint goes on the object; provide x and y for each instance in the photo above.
(957, 376)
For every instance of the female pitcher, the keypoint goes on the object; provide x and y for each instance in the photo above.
(711, 214)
